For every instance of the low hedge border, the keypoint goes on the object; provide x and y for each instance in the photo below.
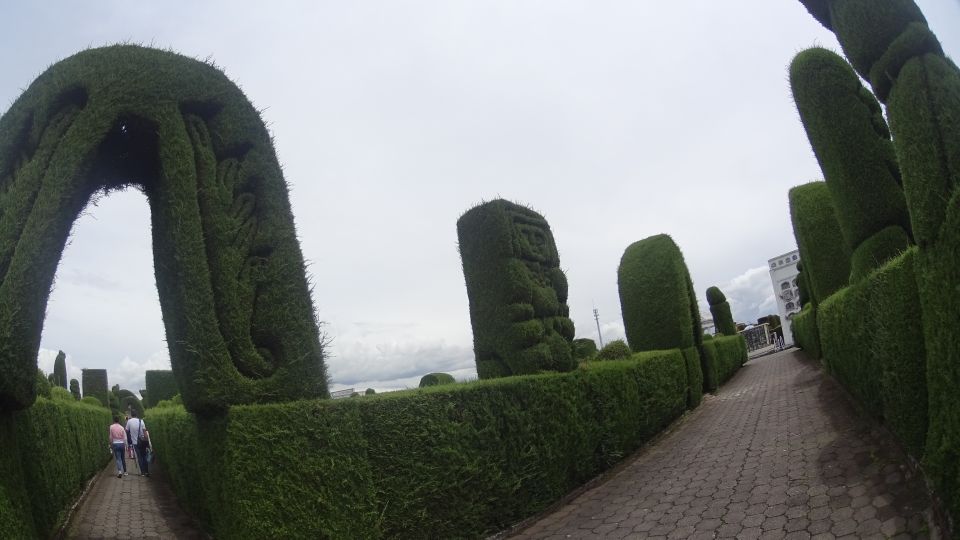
(805, 333)
(47, 452)
(448, 461)
(873, 345)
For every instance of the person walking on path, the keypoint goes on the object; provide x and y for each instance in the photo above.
(138, 434)
(118, 445)
(130, 452)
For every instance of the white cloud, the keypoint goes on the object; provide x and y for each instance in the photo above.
(750, 295)
(392, 364)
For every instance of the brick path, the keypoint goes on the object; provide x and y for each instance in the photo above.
(131, 507)
(778, 453)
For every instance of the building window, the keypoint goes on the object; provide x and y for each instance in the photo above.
(773, 265)
(794, 257)
(794, 282)
(785, 285)
(789, 306)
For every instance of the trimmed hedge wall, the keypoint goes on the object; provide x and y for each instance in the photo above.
(805, 333)
(161, 385)
(890, 45)
(457, 461)
(873, 345)
(95, 385)
(47, 452)
(720, 309)
(237, 308)
(825, 256)
(517, 292)
(433, 379)
(851, 141)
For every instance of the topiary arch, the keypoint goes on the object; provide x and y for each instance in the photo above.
(236, 306)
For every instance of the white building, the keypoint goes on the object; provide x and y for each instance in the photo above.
(783, 274)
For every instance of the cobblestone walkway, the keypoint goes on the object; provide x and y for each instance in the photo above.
(778, 453)
(131, 507)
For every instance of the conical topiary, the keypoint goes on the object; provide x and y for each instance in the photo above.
(720, 309)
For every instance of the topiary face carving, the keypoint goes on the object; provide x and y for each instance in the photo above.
(517, 291)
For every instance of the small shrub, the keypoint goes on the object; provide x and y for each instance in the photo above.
(584, 348)
(615, 350)
(75, 389)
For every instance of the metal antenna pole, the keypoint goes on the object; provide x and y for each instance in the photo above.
(596, 317)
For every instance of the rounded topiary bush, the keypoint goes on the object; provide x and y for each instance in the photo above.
(825, 255)
(75, 388)
(90, 400)
(434, 379)
(615, 350)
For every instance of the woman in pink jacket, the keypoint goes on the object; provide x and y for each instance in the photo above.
(118, 444)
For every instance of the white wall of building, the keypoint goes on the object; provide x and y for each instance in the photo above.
(783, 275)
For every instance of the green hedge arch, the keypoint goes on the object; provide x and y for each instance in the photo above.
(517, 292)
(236, 305)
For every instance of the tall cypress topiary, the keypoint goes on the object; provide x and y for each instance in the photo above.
(825, 256)
(230, 275)
(517, 292)
(851, 141)
(720, 309)
(659, 306)
(75, 388)
(95, 385)
(889, 44)
(161, 385)
(60, 370)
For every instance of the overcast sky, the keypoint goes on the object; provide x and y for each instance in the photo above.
(616, 120)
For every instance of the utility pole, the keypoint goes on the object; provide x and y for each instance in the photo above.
(596, 317)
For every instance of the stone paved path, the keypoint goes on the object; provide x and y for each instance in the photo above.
(131, 507)
(778, 453)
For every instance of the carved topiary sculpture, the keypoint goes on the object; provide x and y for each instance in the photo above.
(517, 292)
(75, 388)
(889, 44)
(60, 370)
(658, 304)
(720, 309)
(851, 140)
(825, 256)
(95, 385)
(236, 305)
(161, 385)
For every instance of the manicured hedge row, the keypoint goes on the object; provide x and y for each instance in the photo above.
(458, 461)
(873, 345)
(161, 385)
(805, 332)
(47, 452)
(731, 355)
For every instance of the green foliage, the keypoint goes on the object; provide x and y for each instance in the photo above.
(615, 350)
(230, 275)
(60, 369)
(75, 388)
(161, 385)
(370, 392)
(694, 364)
(655, 297)
(175, 401)
(805, 332)
(720, 310)
(517, 292)
(459, 461)
(90, 400)
(825, 256)
(60, 394)
(851, 141)
(872, 348)
(47, 452)
(584, 349)
(43, 384)
(803, 288)
(710, 374)
(731, 355)
(95, 385)
(433, 379)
